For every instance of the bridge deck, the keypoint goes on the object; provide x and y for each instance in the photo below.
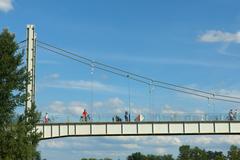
(57, 130)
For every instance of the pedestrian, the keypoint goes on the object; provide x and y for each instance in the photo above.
(230, 115)
(118, 119)
(139, 118)
(235, 115)
(85, 115)
(129, 117)
(46, 118)
(113, 118)
(126, 116)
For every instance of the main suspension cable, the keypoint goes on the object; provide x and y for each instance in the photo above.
(137, 75)
(142, 79)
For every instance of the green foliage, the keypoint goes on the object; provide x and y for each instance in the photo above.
(156, 157)
(12, 78)
(17, 135)
(136, 156)
(215, 155)
(140, 156)
(95, 159)
(234, 153)
(188, 153)
(184, 152)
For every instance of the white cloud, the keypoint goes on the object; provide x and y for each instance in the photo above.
(126, 145)
(156, 61)
(130, 146)
(202, 140)
(231, 139)
(50, 77)
(104, 110)
(117, 106)
(213, 93)
(161, 150)
(169, 110)
(82, 85)
(57, 107)
(115, 102)
(198, 111)
(171, 113)
(151, 141)
(6, 5)
(220, 36)
(163, 140)
(73, 108)
(52, 144)
(234, 93)
(98, 104)
(138, 110)
(160, 141)
(215, 140)
(47, 62)
(76, 108)
(54, 76)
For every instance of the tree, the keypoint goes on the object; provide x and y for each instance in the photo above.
(95, 159)
(137, 156)
(17, 135)
(215, 155)
(192, 153)
(188, 153)
(166, 157)
(152, 157)
(184, 152)
(234, 153)
(198, 154)
(159, 157)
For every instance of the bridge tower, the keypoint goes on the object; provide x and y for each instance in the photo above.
(31, 63)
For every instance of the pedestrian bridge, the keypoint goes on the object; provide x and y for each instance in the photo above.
(58, 130)
(175, 124)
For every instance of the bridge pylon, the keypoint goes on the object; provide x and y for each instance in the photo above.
(31, 63)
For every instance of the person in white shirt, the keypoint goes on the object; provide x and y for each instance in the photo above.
(46, 118)
(235, 114)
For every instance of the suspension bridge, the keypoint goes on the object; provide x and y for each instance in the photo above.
(202, 124)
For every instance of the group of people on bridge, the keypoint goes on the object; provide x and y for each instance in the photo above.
(85, 117)
(233, 115)
(127, 118)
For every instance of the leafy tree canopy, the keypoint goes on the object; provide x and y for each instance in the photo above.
(17, 135)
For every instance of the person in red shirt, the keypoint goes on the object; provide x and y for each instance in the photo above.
(84, 115)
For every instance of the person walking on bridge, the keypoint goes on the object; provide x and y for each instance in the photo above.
(85, 115)
(230, 115)
(126, 116)
(46, 118)
(235, 114)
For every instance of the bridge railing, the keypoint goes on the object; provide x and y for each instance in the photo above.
(147, 117)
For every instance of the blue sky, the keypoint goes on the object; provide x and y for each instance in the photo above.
(191, 43)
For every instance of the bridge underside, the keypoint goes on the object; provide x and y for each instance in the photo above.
(57, 130)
